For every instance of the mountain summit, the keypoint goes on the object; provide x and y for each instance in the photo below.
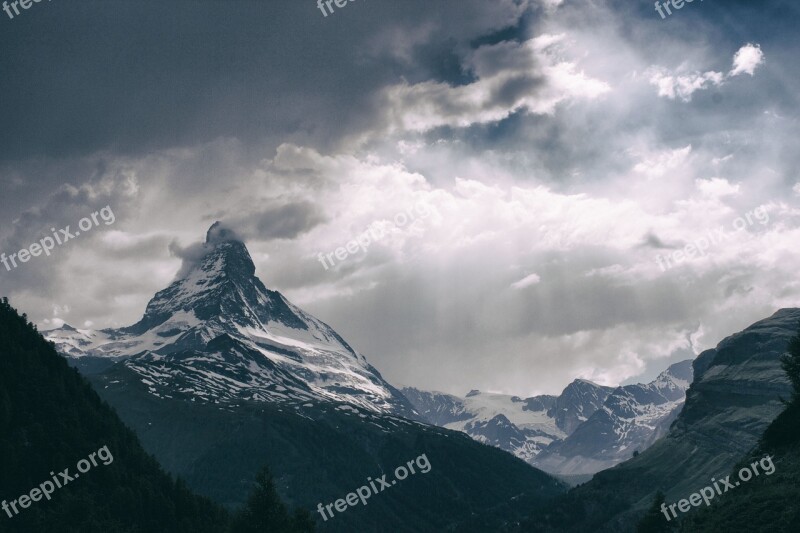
(217, 333)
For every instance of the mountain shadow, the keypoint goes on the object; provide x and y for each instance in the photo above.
(52, 422)
(766, 503)
(735, 396)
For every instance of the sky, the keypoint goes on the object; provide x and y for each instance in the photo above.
(544, 190)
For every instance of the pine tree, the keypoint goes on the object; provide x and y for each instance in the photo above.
(265, 511)
(655, 521)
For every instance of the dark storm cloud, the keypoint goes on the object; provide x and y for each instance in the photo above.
(265, 114)
(133, 76)
(288, 221)
(274, 219)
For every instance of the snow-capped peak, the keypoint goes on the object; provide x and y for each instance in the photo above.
(218, 331)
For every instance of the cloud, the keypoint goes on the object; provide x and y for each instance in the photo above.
(220, 233)
(510, 77)
(717, 187)
(660, 163)
(680, 85)
(192, 255)
(533, 135)
(64, 207)
(288, 221)
(746, 60)
(654, 241)
(136, 84)
(527, 281)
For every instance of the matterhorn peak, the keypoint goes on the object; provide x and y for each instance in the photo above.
(218, 333)
(218, 233)
(223, 252)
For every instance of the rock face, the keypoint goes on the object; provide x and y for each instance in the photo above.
(735, 395)
(585, 429)
(521, 427)
(577, 403)
(738, 387)
(631, 419)
(218, 334)
(437, 408)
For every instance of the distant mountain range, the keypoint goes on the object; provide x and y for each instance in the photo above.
(585, 429)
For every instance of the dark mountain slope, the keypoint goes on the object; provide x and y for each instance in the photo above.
(734, 397)
(325, 451)
(765, 503)
(50, 419)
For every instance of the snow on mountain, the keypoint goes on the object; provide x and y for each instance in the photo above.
(586, 428)
(508, 422)
(218, 334)
(631, 419)
(523, 427)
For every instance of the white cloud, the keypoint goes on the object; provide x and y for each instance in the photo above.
(671, 85)
(717, 187)
(658, 164)
(747, 59)
(720, 160)
(527, 281)
(682, 84)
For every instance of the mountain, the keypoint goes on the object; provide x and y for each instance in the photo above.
(51, 419)
(583, 430)
(521, 427)
(766, 503)
(223, 376)
(217, 334)
(735, 395)
(576, 403)
(631, 419)
(437, 408)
